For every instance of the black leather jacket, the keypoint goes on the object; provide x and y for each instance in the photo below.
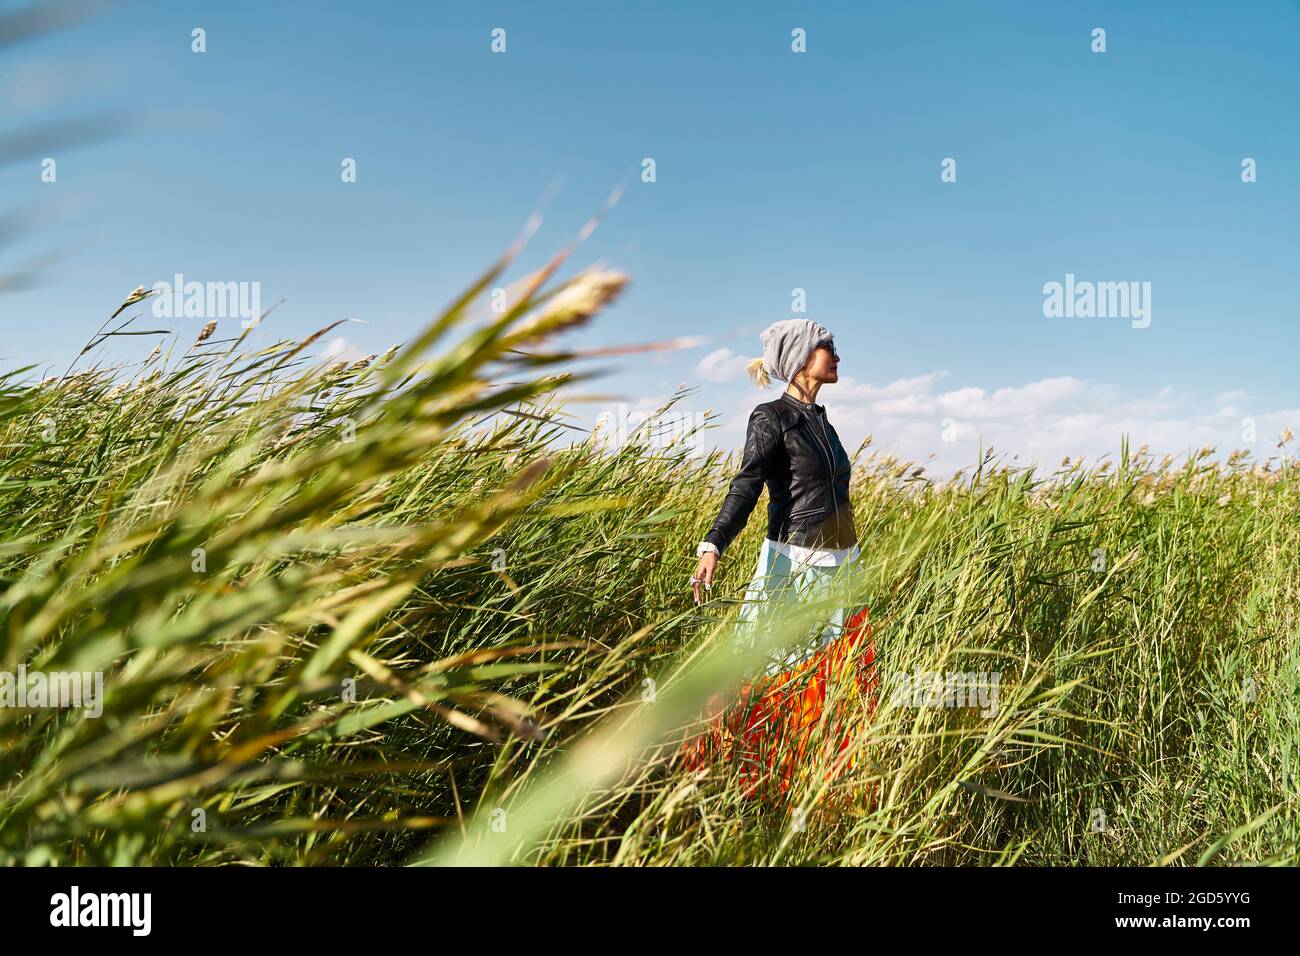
(792, 448)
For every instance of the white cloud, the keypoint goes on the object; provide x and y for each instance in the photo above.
(340, 349)
(722, 365)
(1040, 421)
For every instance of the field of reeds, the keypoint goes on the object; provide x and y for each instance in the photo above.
(402, 610)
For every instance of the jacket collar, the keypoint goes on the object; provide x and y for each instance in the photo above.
(808, 407)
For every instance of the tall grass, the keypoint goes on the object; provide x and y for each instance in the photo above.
(388, 612)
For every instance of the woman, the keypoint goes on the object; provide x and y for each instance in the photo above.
(792, 449)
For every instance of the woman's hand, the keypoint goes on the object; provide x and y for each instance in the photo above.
(703, 576)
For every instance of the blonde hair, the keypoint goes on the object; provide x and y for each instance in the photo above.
(758, 373)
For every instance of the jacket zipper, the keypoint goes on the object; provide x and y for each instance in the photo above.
(830, 470)
(830, 465)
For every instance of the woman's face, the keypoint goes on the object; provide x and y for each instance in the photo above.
(823, 364)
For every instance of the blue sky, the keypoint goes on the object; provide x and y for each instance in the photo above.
(775, 170)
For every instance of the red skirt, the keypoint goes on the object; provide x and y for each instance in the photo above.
(769, 731)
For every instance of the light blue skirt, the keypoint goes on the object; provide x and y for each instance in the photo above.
(780, 580)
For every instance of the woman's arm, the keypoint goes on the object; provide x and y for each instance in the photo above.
(761, 437)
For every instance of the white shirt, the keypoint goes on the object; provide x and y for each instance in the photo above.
(808, 557)
(814, 557)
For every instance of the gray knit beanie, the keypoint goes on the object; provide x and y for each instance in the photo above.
(786, 347)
